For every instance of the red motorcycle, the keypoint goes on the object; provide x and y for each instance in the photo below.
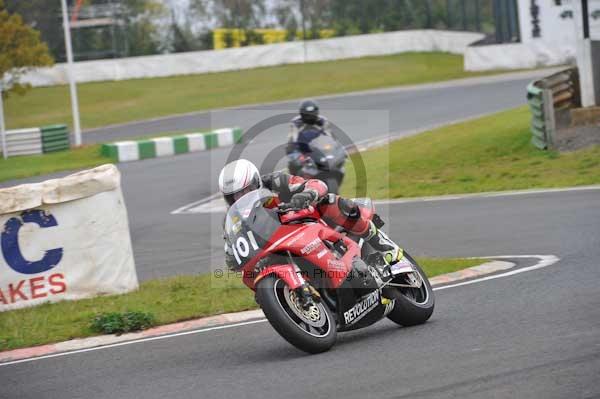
(312, 281)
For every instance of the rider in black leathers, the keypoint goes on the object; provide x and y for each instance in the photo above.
(303, 129)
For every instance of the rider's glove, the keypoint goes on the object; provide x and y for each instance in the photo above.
(303, 200)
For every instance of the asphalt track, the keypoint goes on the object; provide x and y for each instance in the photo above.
(409, 107)
(531, 335)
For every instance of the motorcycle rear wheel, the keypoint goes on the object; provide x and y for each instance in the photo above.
(413, 306)
(313, 332)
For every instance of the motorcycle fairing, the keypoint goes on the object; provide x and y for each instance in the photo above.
(359, 311)
(286, 272)
(327, 153)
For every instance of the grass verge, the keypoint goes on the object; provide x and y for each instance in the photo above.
(492, 153)
(168, 300)
(106, 103)
(35, 165)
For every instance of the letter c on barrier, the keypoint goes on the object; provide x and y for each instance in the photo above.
(10, 243)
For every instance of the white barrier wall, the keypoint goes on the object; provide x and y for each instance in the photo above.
(65, 239)
(256, 56)
(518, 55)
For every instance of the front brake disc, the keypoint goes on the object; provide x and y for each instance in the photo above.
(314, 316)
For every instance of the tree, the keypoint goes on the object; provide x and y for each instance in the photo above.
(239, 14)
(45, 16)
(143, 33)
(140, 23)
(20, 50)
(182, 37)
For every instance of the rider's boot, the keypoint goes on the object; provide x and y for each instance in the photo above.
(390, 252)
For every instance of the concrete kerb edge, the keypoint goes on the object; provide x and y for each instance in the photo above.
(210, 321)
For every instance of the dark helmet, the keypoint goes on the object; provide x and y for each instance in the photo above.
(309, 112)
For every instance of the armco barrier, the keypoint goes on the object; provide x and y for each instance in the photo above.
(37, 140)
(124, 151)
(547, 98)
(65, 239)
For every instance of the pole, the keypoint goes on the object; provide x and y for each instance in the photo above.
(585, 63)
(2, 127)
(586, 19)
(477, 17)
(303, 28)
(463, 15)
(70, 74)
(428, 11)
(498, 22)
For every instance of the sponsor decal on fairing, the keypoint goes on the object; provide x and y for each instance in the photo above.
(358, 311)
(311, 246)
(294, 239)
(336, 264)
(322, 253)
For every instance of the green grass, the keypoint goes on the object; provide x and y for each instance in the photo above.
(168, 300)
(36, 165)
(105, 103)
(492, 153)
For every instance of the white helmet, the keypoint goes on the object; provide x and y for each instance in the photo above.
(238, 178)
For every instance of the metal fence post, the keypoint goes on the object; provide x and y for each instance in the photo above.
(3, 127)
(477, 16)
(428, 11)
(463, 14)
(549, 121)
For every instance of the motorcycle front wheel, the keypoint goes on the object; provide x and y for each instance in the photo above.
(312, 330)
(412, 305)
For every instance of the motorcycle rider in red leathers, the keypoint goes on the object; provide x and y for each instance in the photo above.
(241, 177)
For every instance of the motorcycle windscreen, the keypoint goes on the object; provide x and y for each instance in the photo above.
(327, 153)
(249, 225)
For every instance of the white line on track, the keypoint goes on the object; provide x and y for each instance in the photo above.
(214, 204)
(491, 194)
(186, 208)
(544, 261)
(137, 341)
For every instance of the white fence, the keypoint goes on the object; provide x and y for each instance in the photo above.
(65, 239)
(257, 56)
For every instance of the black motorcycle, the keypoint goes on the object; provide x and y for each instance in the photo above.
(324, 160)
